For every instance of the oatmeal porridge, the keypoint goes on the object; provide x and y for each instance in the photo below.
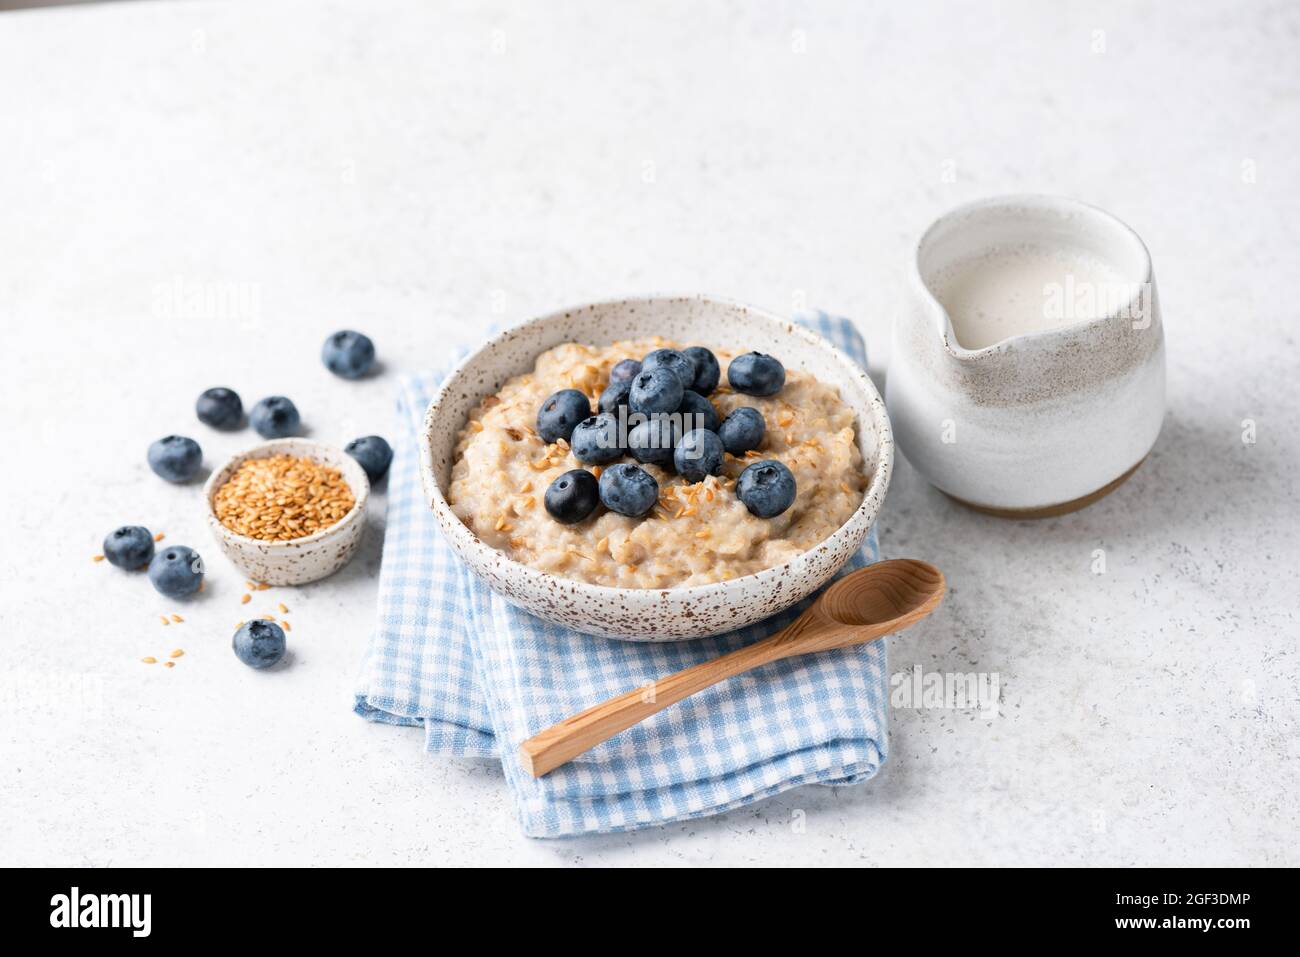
(697, 532)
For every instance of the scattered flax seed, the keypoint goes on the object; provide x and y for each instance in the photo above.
(282, 498)
(177, 618)
(246, 599)
(596, 470)
(515, 434)
(251, 585)
(501, 523)
(239, 625)
(529, 502)
(262, 586)
(283, 609)
(680, 512)
(165, 619)
(97, 558)
(562, 443)
(708, 495)
(284, 624)
(704, 533)
(150, 660)
(602, 546)
(688, 511)
(159, 537)
(526, 487)
(490, 401)
(785, 420)
(752, 454)
(176, 653)
(169, 664)
(476, 425)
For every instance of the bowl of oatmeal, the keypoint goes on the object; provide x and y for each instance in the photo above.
(700, 561)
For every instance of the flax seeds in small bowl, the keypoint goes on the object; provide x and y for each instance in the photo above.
(288, 511)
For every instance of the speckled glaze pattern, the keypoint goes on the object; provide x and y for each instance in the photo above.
(301, 560)
(655, 614)
(1037, 420)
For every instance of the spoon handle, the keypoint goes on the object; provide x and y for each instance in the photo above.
(561, 743)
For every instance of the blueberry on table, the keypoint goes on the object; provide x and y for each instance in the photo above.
(707, 370)
(348, 354)
(275, 417)
(615, 395)
(701, 411)
(672, 360)
(697, 455)
(220, 408)
(595, 440)
(756, 373)
(560, 413)
(259, 643)
(624, 371)
(654, 440)
(658, 390)
(176, 572)
(628, 489)
(766, 488)
(572, 497)
(130, 546)
(373, 453)
(742, 430)
(175, 458)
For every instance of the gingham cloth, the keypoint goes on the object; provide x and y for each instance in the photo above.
(481, 676)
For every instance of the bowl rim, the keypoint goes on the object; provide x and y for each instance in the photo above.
(463, 538)
(361, 496)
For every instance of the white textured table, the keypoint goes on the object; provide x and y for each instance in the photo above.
(194, 194)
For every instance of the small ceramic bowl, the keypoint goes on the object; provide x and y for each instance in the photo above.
(653, 614)
(300, 560)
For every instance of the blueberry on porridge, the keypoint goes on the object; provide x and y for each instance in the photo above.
(688, 480)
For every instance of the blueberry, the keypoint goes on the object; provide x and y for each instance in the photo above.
(130, 546)
(654, 440)
(670, 359)
(259, 643)
(175, 458)
(274, 417)
(624, 371)
(220, 408)
(595, 440)
(658, 390)
(707, 371)
(755, 373)
(742, 430)
(615, 395)
(698, 454)
(348, 354)
(560, 413)
(573, 496)
(628, 489)
(176, 572)
(374, 454)
(701, 411)
(767, 488)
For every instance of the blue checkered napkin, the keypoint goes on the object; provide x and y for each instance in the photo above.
(480, 676)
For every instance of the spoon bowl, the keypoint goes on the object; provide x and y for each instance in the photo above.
(862, 606)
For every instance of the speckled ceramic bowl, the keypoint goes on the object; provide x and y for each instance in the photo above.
(304, 559)
(649, 614)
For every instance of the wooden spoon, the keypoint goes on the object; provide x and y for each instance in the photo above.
(862, 606)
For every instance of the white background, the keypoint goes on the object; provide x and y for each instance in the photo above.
(421, 171)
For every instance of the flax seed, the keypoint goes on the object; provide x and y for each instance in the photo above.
(262, 586)
(97, 558)
(282, 497)
(490, 401)
(176, 653)
(150, 660)
(703, 534)
(177, 618)
(602, 546)
(476, 425)
(169, 664)
(246, 599)
(159, 537)
(596, 470)
(285, 625)
(165, 619)
(515, 434)
(283, 610)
